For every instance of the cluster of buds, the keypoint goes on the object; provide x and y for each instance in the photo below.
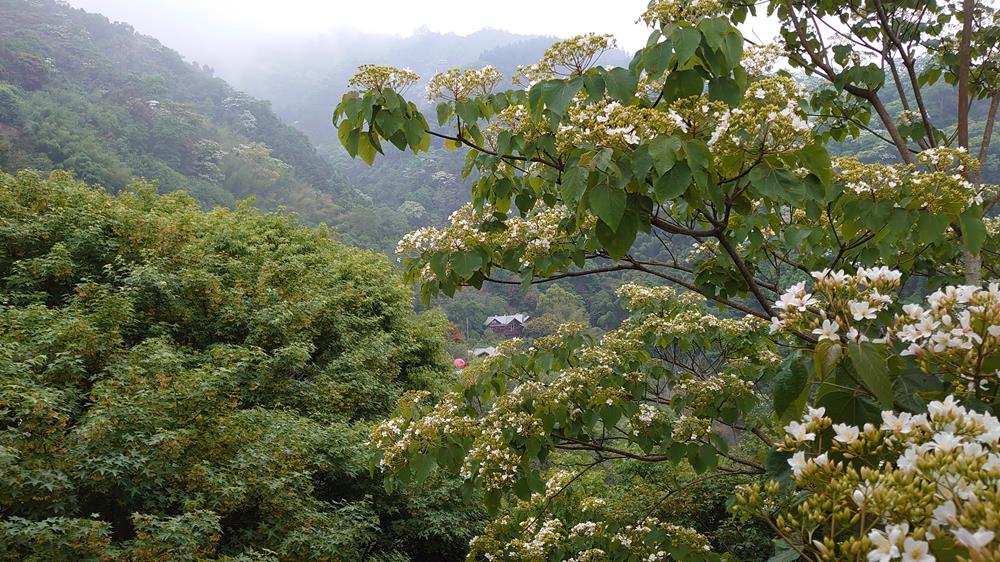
(570, 57)
(378, 77)
(665, 13)
(420, 428)
(938, 184)
(534, 236)
(458, 84)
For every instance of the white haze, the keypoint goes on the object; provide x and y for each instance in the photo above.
(206, 30)
(216, 31)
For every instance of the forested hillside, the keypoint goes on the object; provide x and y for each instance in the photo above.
(80, 93)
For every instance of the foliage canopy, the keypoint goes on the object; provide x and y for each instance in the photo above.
(701, 139)
(199, 385)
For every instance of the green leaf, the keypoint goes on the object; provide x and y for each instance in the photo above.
(783, 552)
(700, 160)
(621, 84)
(826, 355)
(444, 112)
(422, 466)
(774, 183)
(618, 241)
(558, 93)
(594, 84)
(682, 84)
(871, 367)
(466, 263)
(664, 152)
(608, 204)
(672, 184)
(685, 41)
(366, 150)
(415, 133)
(724, 88)
(816, 159)
(846, 407)
(574, 183)
(973, 229)
(930, 228)
(791, 388)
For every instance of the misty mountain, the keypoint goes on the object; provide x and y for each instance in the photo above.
(81, 93)
(305, 78)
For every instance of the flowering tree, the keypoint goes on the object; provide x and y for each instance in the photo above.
(702, 144)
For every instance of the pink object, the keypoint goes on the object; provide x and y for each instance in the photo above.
(460, 363)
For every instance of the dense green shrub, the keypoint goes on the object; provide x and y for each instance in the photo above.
(200, 384)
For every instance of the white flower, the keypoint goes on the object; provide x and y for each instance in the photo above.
(798, 463)
(859, 497)
(908, 460)
(916, 551)
(854, 335)
(946, 441)
(828, 331)
(846, 434)
(799, 432)
(862, 310)
(885, 547)
(816, 415)
(973, 541)
(943, 514)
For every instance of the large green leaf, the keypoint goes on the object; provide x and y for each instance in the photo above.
(621, 84)
(672, 184)
(724, 88)
(791, 388)
(664, 152)
(618, 242)
(973, 229)
(816, 159)
(574, 183)
(682, 84)
(870, 365)
(558, 93)
(685, 41)
(466, 263)
(608, 204)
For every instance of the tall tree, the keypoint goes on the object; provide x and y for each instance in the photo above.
(700, 140)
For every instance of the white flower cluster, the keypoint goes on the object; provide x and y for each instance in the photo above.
(377, 77)
(938, 184)
(570, 57)
(839, 301)
(769, 119)
(536, 235)
(925, 481)
(760, 60)
(399, 438)
(954, 334)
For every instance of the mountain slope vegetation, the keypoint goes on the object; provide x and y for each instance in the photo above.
(80, 93)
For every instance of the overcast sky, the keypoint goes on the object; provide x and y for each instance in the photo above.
(175, 21)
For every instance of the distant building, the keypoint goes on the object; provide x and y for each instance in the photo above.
(483, 352)
(510, 326)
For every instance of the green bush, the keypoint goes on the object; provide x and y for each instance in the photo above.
(200, 383)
